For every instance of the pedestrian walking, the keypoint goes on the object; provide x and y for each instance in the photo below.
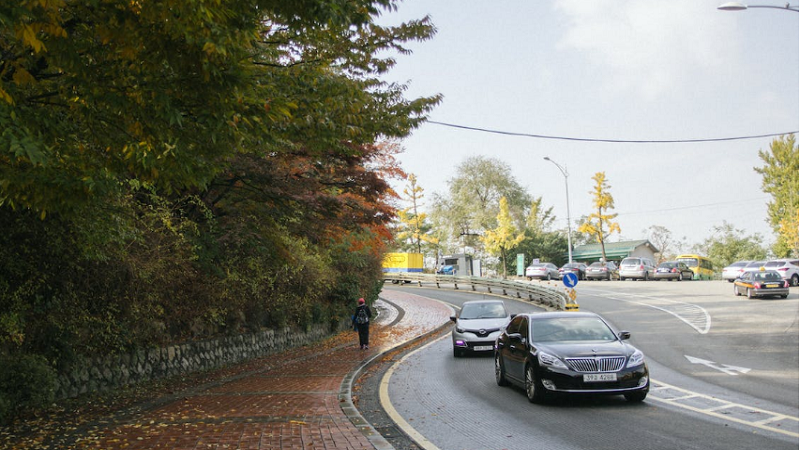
(361, 323)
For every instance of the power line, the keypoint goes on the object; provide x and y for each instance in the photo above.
(618, 141)
(760, 199)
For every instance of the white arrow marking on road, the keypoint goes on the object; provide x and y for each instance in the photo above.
(730, 370)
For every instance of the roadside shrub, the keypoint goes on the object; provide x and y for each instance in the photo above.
(26, 382)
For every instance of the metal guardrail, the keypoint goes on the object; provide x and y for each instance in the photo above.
(550, 296)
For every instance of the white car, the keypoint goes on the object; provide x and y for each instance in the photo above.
(788, 268)
(734, 270)
(754, 266)
(477, 326)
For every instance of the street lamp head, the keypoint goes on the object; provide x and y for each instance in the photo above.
(738, 6)
(732, 6)
(547, 158)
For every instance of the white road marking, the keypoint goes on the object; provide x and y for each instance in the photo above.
(693, 315)
(725, 368)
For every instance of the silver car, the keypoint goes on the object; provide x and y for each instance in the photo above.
(633, 268)
(734, 270)
(543, 271)
(477, 326)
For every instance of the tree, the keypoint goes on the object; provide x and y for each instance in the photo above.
(599, 224)
(728, 244)
(413, 229)
(662, 239)
(95, 95)
(472, 204)
(780, 180)
(504, 237)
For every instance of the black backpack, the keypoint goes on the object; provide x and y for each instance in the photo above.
(361, 316)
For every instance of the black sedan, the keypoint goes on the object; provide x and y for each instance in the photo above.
(571, 353)
(673, 270)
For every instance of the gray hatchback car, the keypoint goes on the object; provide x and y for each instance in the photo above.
(477, 326)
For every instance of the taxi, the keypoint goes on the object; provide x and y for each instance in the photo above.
(762, 283)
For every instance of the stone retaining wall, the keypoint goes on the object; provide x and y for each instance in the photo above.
(110, 372)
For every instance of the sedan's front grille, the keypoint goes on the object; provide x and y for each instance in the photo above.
(483, 332)
(598, 364)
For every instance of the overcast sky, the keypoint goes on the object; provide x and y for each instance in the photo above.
(608, 69)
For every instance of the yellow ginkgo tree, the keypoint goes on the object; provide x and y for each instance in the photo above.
(600, 223)
(503, 238)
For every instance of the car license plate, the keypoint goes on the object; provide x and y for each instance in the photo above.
(482, 348)
(771, 285)
(591, 377)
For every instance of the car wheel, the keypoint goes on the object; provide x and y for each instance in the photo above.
(549, 277)
(636, 397)
(736, 291)
(533, 387)
(646, 276)
(499, 371)
(795, 280)
(750, 293)
(680, 277)
(784, 296)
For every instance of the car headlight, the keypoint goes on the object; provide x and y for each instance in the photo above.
(459, 329)
(636, 359)
(547, 359)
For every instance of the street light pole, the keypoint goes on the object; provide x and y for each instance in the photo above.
(737, 6)
(569, 221)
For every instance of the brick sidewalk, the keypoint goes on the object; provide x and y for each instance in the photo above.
(294, 400)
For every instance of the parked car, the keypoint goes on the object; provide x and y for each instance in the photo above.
(579, 269)
(635, 268)
(764, 283)
(673, 270)
(754, 266)
(569, 353)
(477, 326)
(544, 271)
(446, 270)
(788, 268)
(734, 270)
(599, 270)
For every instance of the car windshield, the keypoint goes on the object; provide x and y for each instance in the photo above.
(596, 264)
(768, 276)
(668, 265)
(774, 264)
(561, 329)
(739, 264)
(755, 264)
(483, 311)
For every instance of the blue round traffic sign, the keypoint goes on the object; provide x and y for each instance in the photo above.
(570, 279)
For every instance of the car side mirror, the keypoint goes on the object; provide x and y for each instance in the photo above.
(623, 335)
(513, 315)
(453, 318)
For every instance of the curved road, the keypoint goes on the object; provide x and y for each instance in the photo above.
(725, 373)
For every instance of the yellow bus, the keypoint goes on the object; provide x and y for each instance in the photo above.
(700, 265)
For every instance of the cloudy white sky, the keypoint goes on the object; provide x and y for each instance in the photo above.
(609, 69)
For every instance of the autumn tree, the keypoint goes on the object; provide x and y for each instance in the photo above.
(505, 236)
(181, 169)
(414, 229)
(600, 223)
(540, 241)
(780, 180)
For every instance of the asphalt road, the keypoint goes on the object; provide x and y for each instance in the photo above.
(724, 369)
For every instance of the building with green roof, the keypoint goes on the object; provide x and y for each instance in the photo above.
(615, 251)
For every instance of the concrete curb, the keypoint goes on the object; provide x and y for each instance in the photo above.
(346, 388)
